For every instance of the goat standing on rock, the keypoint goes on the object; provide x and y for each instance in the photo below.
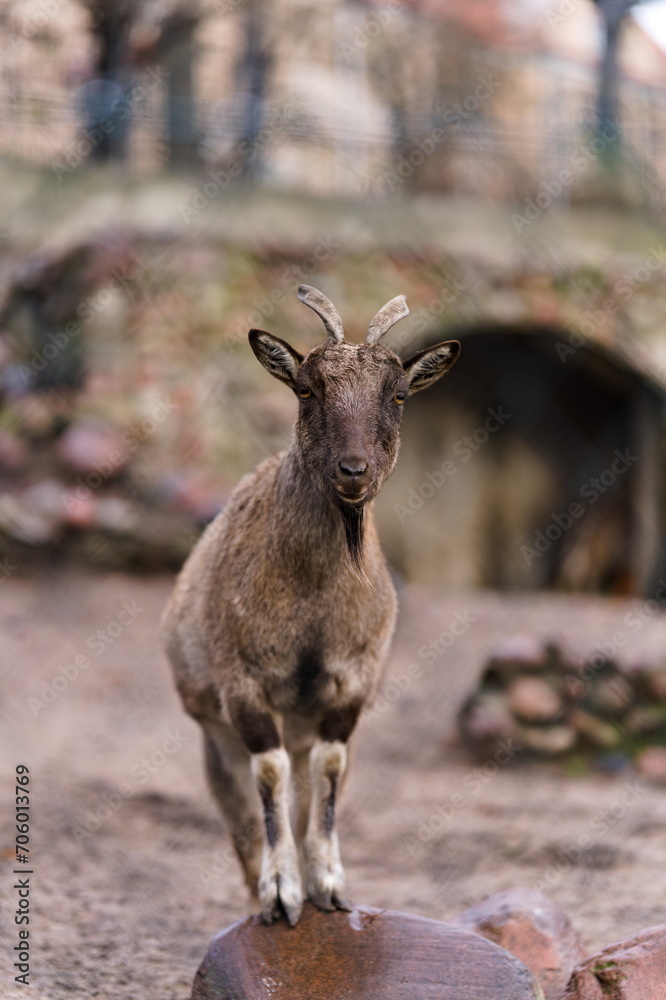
(282, 616)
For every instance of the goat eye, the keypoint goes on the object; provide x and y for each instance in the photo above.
(400, 398)
(305, 393)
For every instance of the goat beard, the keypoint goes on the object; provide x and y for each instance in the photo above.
(353, 522)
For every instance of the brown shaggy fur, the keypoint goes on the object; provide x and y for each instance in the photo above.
(282, 616)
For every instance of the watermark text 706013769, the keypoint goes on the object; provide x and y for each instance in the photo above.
(21, 884)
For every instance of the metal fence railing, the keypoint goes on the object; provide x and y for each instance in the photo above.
(54, 112)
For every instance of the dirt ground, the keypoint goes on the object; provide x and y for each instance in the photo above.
(133, 873)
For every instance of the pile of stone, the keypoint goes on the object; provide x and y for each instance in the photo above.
(516, 945)
(81, 494)
(532, 695)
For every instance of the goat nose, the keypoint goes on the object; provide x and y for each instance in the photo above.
(353, 466)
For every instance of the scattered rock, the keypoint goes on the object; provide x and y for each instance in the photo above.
(561, 707)
(645, 719)
(489, 719)
(116, 514)
(610, 696)
(533, 928)
(633, 969)
(93, 447)
(38, 415)
(654, 679)
(46, 497)
(367, 953)
(13, 451)
(532, 699)
(80, 511)
(24, 523)
(594, 730)
(651, 765)
(547, 741)
(192, 493)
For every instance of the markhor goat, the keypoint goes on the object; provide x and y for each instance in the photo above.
(282, 616)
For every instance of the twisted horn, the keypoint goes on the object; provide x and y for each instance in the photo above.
(386, 317)
(324, 308)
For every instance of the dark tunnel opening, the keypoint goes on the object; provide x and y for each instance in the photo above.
(553, 474)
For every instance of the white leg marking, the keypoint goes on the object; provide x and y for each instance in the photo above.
(324, 874)
(280, 879)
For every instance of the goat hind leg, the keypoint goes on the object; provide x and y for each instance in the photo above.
(232, 784)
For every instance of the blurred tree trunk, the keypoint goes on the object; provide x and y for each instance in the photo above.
(613, 13)
(108, 96)
(252, 76)
(176, 51)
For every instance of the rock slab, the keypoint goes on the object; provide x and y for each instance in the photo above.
(534, 929)
(381, 954)
(633, 969)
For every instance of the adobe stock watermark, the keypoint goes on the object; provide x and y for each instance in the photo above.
(89, 307)
(253, 832)
(553, 189)
(130, 440)
(597, 319)
(421, 319)
(91, 820)
(325, 247)
(467, 108)
(398, 684)
(371, 28)
(423, 148)
(471, 784)
(80, 149)
(603, 822)
(591, 491)
(221, 861)
(40, 18)
(245, 153)
(564, 9)
(465, 448)
(97, 642)
(635, 620)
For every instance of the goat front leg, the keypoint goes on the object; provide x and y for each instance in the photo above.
(324, 874)
(280, 879)
(280, 886)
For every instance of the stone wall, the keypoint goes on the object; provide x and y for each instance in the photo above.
(126, 313)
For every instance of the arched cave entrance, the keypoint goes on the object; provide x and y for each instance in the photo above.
(530, 466)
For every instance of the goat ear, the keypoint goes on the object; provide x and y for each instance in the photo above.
(276, 355)
(427, 366)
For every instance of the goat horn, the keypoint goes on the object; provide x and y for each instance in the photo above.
(324, 308)
(389, 314)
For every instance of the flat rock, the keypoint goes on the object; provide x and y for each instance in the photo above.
(533, 928)
(651, 764)
(633, 969)
(532, 699)
(93, 446)
(368, 953)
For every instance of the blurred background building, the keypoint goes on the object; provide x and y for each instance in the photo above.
(172, 171)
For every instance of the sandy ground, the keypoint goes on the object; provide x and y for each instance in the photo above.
(132, 871)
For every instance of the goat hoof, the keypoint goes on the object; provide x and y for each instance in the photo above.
(329, 902)
(323, 901)
(291, 911)
(281, 895)
(270, 913)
